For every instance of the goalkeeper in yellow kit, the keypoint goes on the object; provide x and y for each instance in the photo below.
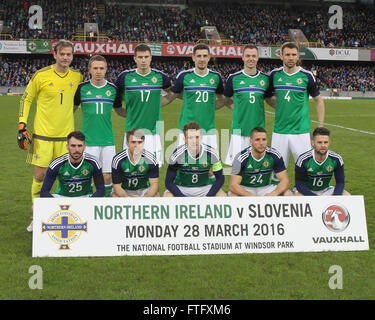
(53, 88)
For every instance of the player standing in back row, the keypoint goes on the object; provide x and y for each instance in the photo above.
(141, 89)
(292, 86)
(200, 88)
(245, 90)
(96, 97)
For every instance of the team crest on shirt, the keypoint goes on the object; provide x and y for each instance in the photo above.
(329, 168)
(154, 80)
(141, 168)
(266, 164)
(108, 93)
(299, 80)
(212, 81)
(71, 85)
(85, 172)
(205, 164)
(262, 83)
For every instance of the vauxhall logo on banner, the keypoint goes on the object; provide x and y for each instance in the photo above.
(337, 219)
(64, 227)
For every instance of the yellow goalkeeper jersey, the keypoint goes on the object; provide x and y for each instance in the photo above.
(54, 93)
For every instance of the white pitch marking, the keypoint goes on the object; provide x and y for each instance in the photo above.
(336, 125)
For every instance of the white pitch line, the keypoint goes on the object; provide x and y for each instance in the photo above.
(336, 125)
(347, 128)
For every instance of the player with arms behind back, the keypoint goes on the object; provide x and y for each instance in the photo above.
(292, 86)
(200, 88)
(246, 90)
(96, 97)
(314, 168)
(141, 90)
(53, 88)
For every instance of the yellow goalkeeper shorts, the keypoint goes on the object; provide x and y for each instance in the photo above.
(42, 152)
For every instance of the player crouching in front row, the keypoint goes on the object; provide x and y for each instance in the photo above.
(314, 168)
(74, 172)
(188, 173)
(252, 169)
(135, 171)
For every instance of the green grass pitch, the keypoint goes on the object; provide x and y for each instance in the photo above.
(245, 276)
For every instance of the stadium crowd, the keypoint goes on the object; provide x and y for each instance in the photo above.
(268, 24)
(17, 71)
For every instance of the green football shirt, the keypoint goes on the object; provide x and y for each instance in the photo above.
(248, 98)
(74, 181)
(134, 176)
(292, 114)
(257, 173)
(96, 103)
(193, 170)
(199, 98)
(142, 97)
(319, 175)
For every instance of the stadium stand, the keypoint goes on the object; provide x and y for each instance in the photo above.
(239, 23)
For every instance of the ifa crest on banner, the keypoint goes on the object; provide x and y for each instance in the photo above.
(64, 227)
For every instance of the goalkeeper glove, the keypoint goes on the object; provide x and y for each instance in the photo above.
(23, 136)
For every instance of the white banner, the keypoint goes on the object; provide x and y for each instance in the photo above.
(8, 46)
(342, 54)
(67, 227)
